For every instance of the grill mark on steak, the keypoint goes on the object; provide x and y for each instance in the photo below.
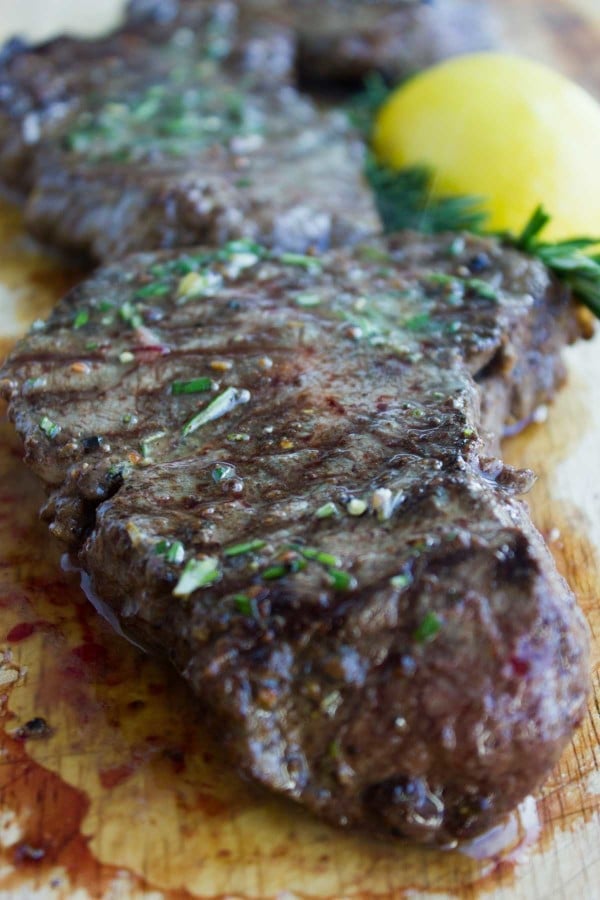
(424, 674)
(131, 143)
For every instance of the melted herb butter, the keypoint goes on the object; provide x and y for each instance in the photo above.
(173, 119)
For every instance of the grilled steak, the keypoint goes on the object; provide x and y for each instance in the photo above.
(276, 471)
(133, 143)
(342, 41)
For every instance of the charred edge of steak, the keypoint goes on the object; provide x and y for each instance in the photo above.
(377, 627)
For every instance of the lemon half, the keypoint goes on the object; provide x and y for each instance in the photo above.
(504, 128)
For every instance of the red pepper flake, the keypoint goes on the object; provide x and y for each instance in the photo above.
(520, 666)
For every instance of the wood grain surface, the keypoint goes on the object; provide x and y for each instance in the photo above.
(127, 795)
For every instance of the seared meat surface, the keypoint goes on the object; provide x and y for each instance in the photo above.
(342, 41)
(276, 471)
(132, 143)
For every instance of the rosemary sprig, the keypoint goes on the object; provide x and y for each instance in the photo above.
(404, 200)
(567, 259)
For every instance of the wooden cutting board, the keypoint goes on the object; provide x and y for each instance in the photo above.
(123, 794)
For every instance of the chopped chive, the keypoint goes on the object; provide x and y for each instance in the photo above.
(154, 289)
(428, 628)
(151, 439)
(198, 573)
(50, 428)
(274, 572)
(244, 604)
(341, 581)
(246, 547)
(327, 511)
(483, 289)
(299, 259)
(220, 406)
(326, 559)
(193, 386)
(81, 319)
(91, 345)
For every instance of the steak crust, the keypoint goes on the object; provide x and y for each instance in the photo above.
(277, 474)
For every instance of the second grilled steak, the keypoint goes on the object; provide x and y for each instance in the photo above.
(197, 136)
(276, 471)
(339, 42)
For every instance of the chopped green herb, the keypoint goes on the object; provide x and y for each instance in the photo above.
(483, 289)
(327, 511)
(244, 604)
(199, 284)
(310, 263)
(246, 547)
(274, 572)
(223, 472)
(418, 323)
(91, 345)
(173, 551)
(428, 628)
(220, 406)
(81, 319)
(130, 314)
(326, 559)
(50, 429)
(341, 581)
(238, 436)
(193, 386)
(198, 573)
(154, 289)
(400, 581)
(146, 442)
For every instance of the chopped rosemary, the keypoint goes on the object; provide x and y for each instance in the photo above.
(81, 319)
(193, 386)
(246, 547)
(198, 573)
(50, 428)
(220, 406)
(428, 628)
